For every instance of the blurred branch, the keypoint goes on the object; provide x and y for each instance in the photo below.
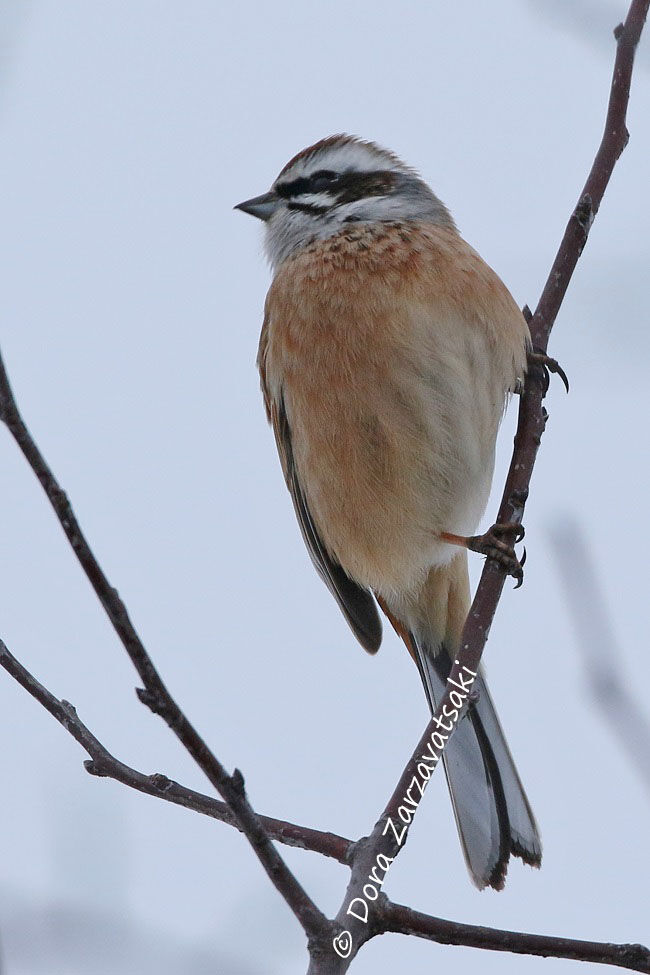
(598, 643)
(12, 20)
(587, 21)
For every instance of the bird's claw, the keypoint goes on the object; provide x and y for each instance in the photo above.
(491, 545)
(547, 365)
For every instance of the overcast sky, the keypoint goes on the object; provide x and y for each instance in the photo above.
(131, 305)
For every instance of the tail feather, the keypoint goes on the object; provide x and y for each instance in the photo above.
(525, 841)
(493, 815)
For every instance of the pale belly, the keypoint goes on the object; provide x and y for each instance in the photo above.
(389, 459)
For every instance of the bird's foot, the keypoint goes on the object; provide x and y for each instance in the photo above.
(492, 545)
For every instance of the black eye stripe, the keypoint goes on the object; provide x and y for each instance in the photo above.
(347, 187)
(307, 184)
(294, 188)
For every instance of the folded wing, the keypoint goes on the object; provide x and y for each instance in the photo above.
(356, 603)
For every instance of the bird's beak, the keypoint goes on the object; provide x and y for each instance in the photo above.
(263, 207)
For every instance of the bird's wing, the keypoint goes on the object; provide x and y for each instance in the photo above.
(356, 602)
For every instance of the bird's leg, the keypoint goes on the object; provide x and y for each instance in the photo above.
(491, 545)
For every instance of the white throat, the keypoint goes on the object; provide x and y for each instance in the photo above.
(289, 230)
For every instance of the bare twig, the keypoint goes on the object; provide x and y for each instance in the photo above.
(103, 763)
(599, 645)
(395, 918)
(155, 694)
(403, 920)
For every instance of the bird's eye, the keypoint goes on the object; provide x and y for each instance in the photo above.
(322, 179)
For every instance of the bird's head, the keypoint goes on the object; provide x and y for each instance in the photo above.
(338, 181)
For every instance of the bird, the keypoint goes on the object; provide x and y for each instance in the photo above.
(388, 352)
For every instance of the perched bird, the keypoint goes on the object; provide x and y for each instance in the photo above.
(387, 354)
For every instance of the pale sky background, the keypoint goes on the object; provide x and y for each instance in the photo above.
(131, 304)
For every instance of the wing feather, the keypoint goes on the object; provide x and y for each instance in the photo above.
(355, 602)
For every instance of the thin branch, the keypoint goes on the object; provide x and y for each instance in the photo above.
(393, 918)
(599, 645)
(382, 843)
(402, 920)
(155, 694)
(103, 763)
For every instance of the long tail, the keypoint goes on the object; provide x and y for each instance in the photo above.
(493, 815)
